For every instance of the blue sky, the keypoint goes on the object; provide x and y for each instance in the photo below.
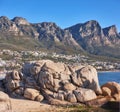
(64, 13)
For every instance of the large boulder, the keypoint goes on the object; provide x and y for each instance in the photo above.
(53, 74)
(33, 94)
(111, 89)
(84, 95)
(5, 104)
(86, 77)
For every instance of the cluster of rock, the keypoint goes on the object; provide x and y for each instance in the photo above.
(56, 80)
(58, 83)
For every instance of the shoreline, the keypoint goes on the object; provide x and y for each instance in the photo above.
(108, 71)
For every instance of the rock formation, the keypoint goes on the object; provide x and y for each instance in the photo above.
(59, 84)
(56, 82)
(111, 89)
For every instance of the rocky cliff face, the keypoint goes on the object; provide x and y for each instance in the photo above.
(8, 26)
(46, 32)
(50, 32)
(94, 39)
(88, 36)
(112, 35)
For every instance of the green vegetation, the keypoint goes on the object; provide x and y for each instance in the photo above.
(18, 43)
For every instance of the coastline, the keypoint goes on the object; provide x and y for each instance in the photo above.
(108, 71)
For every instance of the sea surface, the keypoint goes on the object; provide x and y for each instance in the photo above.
(104, 77)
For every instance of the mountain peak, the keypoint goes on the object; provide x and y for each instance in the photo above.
(4, 19)
(110, 31)
(20, 21)
(92, 22)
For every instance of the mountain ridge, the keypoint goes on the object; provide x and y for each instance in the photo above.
(83, 37)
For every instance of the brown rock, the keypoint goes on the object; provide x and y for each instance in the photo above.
(69, 87)
(84, 95)
(113, 86)
(19, 91)
(15, 75)
(71, 98)
(98, 102)
(31, 93)
(87, 77)
(36, 67)
(59, 96)
(116, 97)
(11, 85)
(56, 84)
(46, 80)
(39, 98)
(106, 91)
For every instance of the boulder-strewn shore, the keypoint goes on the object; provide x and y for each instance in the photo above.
(59, 84)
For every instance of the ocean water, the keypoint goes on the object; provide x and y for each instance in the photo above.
(104, 77)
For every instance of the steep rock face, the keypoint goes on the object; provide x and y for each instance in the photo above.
(8, 26)
(47, 33)
(110, 31)
(112, 34)
(20, 21)
(50, 32)
(17, 27)
(88, 34)
(25, 27)
(94, 39)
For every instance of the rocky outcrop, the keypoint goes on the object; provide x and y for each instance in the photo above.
(13, 83)
(60, 84)
(86, 77)
(110, 31)
(110, 96)
(5, 104)
(8, 26)
(56, 82)
(111, 89)
(50, 32)
(20, 21)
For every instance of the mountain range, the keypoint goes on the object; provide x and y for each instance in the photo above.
(88, 37)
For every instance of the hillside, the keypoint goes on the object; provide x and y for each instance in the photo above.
(90, 37)
(97, 40)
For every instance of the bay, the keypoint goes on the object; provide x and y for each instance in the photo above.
(105, 77)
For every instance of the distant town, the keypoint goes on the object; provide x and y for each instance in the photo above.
(10, 60)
